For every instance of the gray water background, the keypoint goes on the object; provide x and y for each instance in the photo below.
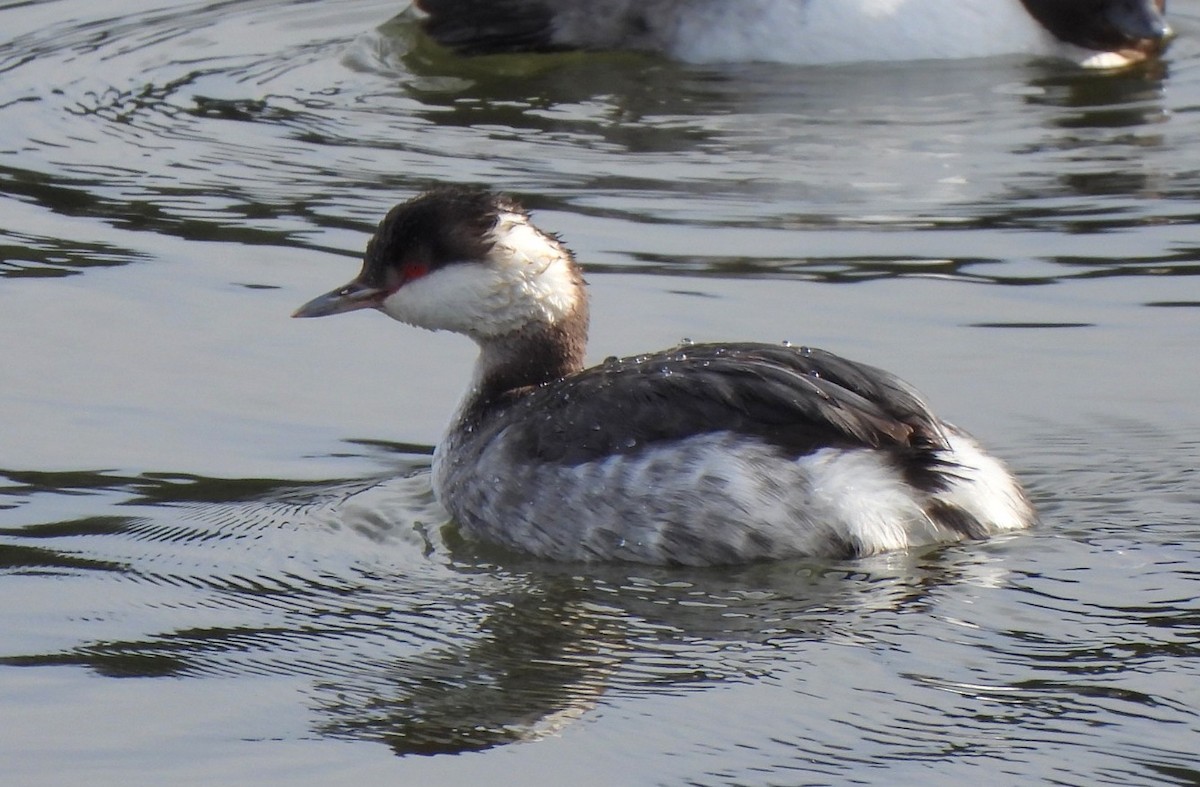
(220, 560)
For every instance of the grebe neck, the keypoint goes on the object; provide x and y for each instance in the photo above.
(518, 361)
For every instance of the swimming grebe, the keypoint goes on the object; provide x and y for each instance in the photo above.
(1097, 33)
(702, 454)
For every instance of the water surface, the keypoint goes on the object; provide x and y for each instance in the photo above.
(219, 553)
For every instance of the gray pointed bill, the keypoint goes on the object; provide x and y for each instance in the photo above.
(352, 296)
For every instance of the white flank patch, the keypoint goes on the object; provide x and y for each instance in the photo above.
(526, 280)
(814, 32)
(867, 502)
(988, 491)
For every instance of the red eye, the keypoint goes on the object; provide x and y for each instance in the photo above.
(413, 270)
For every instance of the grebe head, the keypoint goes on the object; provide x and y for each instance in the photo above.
(466, 261)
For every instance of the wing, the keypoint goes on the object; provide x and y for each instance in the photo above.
(797, 399)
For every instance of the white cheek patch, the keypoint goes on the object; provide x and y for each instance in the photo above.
(523, 244)
(538, 265)
(448, 299)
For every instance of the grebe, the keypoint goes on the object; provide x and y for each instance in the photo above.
(702, 454)
(1095, 33)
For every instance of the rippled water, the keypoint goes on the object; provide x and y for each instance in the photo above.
(220, 558)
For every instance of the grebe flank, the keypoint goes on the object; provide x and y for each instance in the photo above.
(1093, 33)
